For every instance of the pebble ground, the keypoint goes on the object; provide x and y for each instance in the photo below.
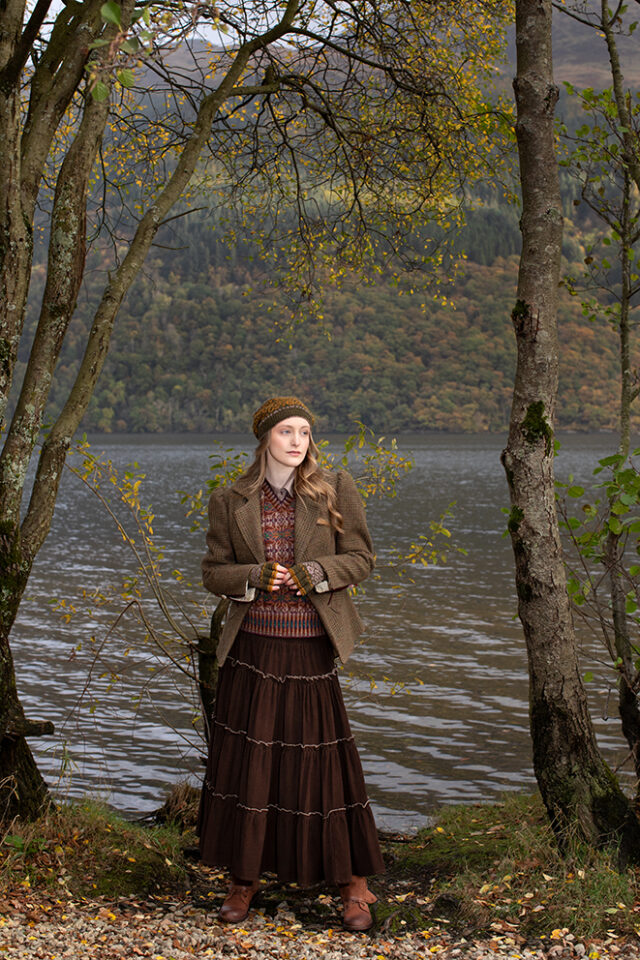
(181, 929)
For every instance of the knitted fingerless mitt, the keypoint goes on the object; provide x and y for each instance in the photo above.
(306, 575)
(264, 576)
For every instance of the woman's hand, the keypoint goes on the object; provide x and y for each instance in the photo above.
(269, 577)
(272, 576)
(281, 577)
(295, 584)
(304, 576)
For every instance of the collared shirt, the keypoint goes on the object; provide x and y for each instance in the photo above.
(280, 491)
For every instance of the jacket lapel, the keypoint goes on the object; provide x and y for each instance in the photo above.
(247, 516)
(307, 514)
(248, 519)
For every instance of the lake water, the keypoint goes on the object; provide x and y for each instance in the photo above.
(437, 693)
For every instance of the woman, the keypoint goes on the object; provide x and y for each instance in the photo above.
(284, 790)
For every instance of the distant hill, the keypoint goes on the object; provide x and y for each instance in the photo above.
(580, 54)
(194, 348)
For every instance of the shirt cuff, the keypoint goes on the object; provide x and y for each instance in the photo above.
(249, 595)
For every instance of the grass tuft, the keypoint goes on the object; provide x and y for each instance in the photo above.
(499, 870)
(85, 850)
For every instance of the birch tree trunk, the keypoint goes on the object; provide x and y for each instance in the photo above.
(578, 789)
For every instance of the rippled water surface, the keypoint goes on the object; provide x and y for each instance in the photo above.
(437, 694)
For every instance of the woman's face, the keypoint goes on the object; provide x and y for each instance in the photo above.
(289, 441)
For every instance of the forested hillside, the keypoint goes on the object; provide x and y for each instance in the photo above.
(195, 349)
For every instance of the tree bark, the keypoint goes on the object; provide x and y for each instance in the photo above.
(580, 793)
(16, 236)
(22, 789)
(25, 146)
(65, 268)
(24, 151)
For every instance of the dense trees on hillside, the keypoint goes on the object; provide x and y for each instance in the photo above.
(194, 350)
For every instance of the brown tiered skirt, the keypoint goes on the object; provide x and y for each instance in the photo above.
(284, 790)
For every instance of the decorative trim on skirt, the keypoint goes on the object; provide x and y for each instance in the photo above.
(284, 790)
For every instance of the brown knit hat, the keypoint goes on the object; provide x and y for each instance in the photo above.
(276, 409)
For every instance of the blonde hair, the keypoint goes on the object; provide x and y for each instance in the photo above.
(307, 482)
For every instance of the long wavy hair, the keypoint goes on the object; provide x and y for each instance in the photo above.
(309, 480)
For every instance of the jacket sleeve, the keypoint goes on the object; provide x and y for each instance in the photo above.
(354, 558)
(220, 572)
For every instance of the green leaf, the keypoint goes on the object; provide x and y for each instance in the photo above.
(619, 508)
(100, 91)
(634, 570)
(111, 12)
(126, 77)
(588, 677)
(631, 605)
(615, 526)
(575, 491)
(131, 45)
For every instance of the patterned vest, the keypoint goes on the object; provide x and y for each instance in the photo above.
(280, 614)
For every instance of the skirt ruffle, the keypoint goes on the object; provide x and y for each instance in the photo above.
(284, 790)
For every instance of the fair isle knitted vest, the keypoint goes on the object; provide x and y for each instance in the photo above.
(280, 614)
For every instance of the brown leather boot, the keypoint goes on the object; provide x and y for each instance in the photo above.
(238, 900)
(356, 899)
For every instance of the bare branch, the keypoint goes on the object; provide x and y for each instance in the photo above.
(37, 521)
(11, 71)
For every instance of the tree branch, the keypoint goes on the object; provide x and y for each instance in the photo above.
(29, 728)
(574, 16)
(53, 88)
(40, 511)
(629, 137)
(13, 68)
(253, 90)
(67, 250)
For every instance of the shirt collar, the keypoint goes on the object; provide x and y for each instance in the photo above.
(281, 490)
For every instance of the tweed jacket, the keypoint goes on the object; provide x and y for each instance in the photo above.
(235, 545)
